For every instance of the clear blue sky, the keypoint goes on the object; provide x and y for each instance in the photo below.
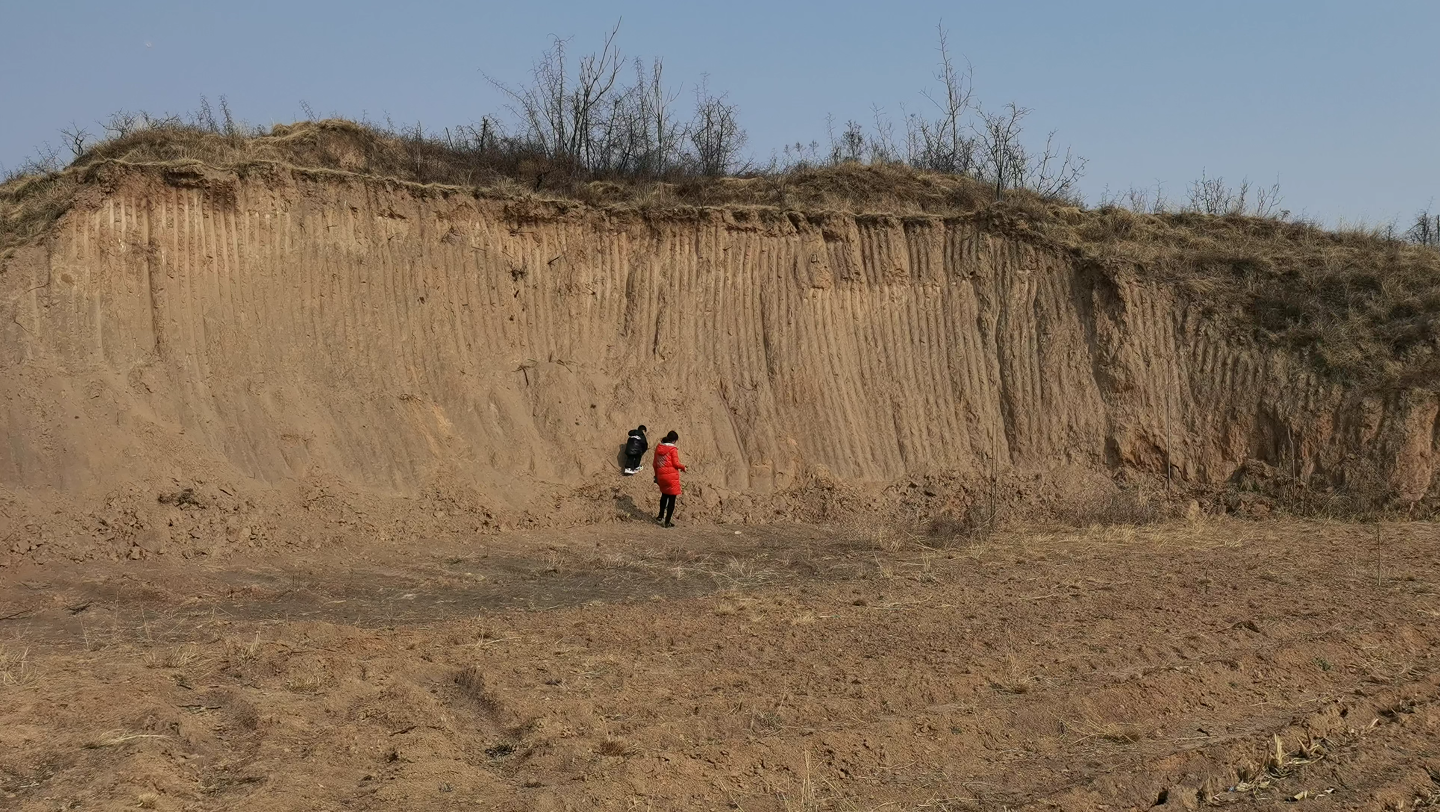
(1339, 100)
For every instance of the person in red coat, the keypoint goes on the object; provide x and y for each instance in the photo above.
(667, 475)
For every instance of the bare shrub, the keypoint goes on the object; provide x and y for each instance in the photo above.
(1005, 163)
(849, 147)
(1141, 200)
(561, 114)
(1211, 195)
(973, 523)
(944, 142)
(15, 667)
(76, 137)
(715, 133)
(959, 137)
(1425, 230)
(45, 161)
(1128, 507)
(1361, 494)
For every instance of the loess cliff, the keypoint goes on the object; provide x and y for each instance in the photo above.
(275, 327)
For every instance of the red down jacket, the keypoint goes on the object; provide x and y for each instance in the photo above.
(667, 469)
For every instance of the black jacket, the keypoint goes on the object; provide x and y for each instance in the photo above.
(637, 445)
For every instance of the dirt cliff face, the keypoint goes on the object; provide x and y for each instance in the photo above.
(278, 328)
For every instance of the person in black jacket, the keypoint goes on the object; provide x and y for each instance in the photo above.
(635, 447)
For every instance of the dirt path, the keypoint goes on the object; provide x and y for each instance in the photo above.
(784, 668)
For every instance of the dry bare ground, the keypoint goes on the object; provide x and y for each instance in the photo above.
(1225, 662)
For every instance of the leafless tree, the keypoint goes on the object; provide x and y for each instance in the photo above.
(1001, 156)
(663, 133)
(715, 132)
(882, 144)
(944, 143)
(228, 126)
(849, 146)
(1426, 229)
(561, 114)
(45, 161)
(1051, 173)
(640, 134)
(1003, 160)
(204, 117)
(799, 155)
(120, 124)
(76, 137)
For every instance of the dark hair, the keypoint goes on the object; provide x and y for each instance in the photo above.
(671, 437)
(642, 428)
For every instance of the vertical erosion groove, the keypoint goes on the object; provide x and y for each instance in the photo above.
(395, 336)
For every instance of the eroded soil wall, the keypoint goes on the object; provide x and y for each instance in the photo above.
(276, 328)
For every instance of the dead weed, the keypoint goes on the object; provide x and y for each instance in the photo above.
(16, 669)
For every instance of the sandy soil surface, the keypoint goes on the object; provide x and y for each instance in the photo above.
(1228, 663)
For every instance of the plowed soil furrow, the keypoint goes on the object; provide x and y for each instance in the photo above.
(1227, 664)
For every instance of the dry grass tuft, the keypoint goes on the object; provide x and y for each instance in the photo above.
(471, 682)
(1116, 733)
(1091, 727)
(115, 738)
(1012, 678)
(1362, 307)
(16, 668)
(1126, 508)
(613, 747)
(309, 677)
(240, 649)
(178, 657)
(972, 524)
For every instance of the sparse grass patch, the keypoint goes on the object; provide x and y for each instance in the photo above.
(742, 573)
(1011, 678)
(309, 677)
(1089, 726)
(804, 619)
(176, 657)
(614, 748)
(1361, 306)
(240, 649)
(115, 738)
(16, 669)
(971, 524)
(1124, 508)
(471, 682)
(1278, 763)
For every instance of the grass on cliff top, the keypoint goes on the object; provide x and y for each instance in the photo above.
(1362, 307)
